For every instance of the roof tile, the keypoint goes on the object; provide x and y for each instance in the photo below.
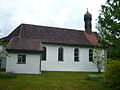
(31, 37)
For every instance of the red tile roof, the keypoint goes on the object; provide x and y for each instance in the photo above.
(18, 44)
(30, 37)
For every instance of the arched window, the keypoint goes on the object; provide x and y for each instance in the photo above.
(90, 55)
(44, 54)
(76, 55)
(60, 54)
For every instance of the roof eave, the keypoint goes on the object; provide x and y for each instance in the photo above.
(82, 45)
(23, 51)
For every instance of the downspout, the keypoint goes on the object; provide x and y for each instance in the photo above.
(40, 64)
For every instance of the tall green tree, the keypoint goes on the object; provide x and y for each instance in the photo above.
(109, 27)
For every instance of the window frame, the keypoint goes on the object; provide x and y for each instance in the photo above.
(43, 54)
(60, 54)
(90, 55)
(21, 59)
(76, 55)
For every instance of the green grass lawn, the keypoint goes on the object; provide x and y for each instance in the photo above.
(52, 81)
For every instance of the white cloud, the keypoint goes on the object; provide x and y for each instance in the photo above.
(60, 13)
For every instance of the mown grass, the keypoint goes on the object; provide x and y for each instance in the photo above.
(53, 81)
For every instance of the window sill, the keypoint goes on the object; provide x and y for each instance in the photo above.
(76, 61)
(43, 60)
(21, 63)
(90, 61)
(61, 61)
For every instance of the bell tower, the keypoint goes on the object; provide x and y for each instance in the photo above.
(88, 24)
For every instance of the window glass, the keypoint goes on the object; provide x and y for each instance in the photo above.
(76, 55)
(60, 54)
(90, 55)
(21, 59)
(44, 54)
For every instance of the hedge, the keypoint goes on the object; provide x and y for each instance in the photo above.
(112, 74)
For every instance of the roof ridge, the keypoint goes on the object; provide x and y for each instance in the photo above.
(54, 27)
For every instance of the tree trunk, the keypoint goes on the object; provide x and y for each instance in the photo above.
(99, 71)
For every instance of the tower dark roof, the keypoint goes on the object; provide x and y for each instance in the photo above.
(87, 16)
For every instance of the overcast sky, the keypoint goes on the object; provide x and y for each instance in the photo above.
(56, 13)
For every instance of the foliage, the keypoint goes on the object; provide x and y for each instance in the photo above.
(112, 74)
(99, 58)
(94, 77)
(109, 27)
(8, 75)
(3, 53)
(3, 43)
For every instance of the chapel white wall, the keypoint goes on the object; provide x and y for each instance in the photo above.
(52, 63)
(32, 65)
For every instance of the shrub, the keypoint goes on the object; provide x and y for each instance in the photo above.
(8, 75)
(94, 77)
(112, 74)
